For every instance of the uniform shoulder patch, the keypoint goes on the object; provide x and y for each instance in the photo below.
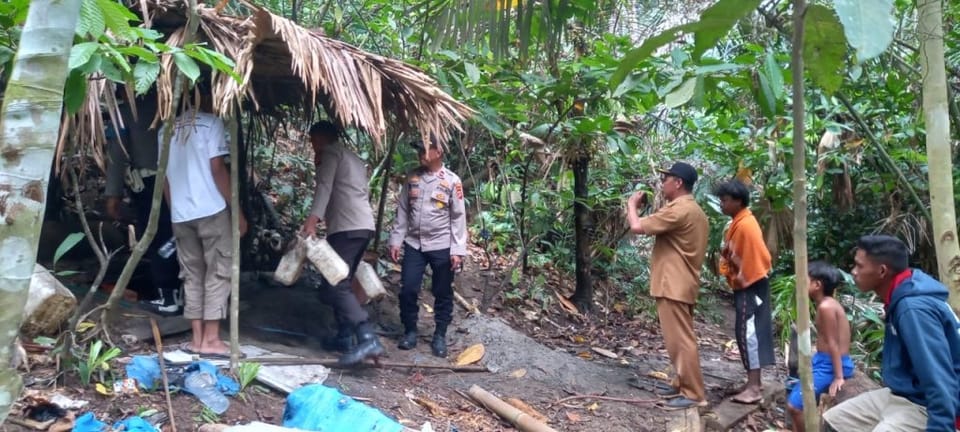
(459, 190)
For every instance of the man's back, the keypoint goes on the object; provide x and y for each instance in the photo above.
(198, 137)
(349, 206)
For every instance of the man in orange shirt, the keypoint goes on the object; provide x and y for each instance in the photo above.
(681, 230)
(745, 263)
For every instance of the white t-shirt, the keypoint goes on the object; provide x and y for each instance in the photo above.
(198, 138)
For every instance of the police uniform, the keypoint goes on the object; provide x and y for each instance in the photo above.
(431, 227)
(342, 201)
(132, 163)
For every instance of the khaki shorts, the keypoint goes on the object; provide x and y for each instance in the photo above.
(877, 411)
(205, 251)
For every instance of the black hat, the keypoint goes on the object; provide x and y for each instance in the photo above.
(684, 172)
(418, 143)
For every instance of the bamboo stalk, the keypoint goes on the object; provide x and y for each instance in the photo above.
(163, 372)
(235, 212)
(519, 419)
(334, 363)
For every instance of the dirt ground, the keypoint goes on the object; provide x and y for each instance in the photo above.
(548, 358)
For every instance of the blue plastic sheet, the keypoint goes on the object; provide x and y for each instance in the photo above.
(225, 384)
(324, 409)
(89, 423)
(145, 370)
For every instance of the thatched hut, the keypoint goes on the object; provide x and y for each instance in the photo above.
(289, 70)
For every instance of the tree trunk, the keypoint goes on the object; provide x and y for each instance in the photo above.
(583, 297)
(384, 188)
(936, 117)
(233, 125)
(32, 105)
(800, 220)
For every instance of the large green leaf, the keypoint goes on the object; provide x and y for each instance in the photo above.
(868, 24)
(144, 75)
(186, 65)
(823, 56)
(717, 20)
(640, 53)
(681, 94)
(91, 20)
(75, 91)
(117, 19)
(80, 54)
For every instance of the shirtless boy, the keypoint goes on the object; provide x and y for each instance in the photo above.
(831, 362)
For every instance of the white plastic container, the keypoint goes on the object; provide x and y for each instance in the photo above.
(326, 260)
(291, 265)
(370, 281)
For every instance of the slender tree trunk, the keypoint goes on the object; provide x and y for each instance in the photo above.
(800, 220)
(583, 297)
(936, 117)
(233, 125)
(30, 121)
(384, 188)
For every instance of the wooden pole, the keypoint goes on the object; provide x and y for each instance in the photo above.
(163, 372)
(519, 419)
(235, 211)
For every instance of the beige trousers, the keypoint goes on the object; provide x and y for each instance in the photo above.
(877, 411)
(206, 256)
(676, 323)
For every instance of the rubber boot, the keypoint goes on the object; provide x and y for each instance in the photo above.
(368, 346)
(439, 343)
(343, 341)
(409, 340)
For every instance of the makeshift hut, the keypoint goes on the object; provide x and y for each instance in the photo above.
(287, 72)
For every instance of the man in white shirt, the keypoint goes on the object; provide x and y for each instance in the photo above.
(198, 190)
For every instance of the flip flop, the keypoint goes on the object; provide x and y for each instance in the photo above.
(219, 356)
(185, 347)
(757, 400)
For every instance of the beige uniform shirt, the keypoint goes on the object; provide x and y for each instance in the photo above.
(681, 231)
(342, 198)
(431, 214)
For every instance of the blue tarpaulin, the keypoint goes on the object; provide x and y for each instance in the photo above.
(320, 408)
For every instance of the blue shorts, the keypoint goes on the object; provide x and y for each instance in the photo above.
(822, 377)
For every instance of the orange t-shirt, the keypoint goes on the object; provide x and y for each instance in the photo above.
(681, 229)
(744, 258)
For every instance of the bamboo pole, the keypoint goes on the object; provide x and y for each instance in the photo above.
(519, 419)
(235, 211)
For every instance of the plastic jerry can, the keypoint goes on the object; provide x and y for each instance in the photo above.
(326, 260)
(291, 265)
(370, 281)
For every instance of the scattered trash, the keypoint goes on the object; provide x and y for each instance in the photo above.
(125, 386)
(427, 427)
(44, 412)
(67, 403)
(134, 424)
(319, 408)
(203, 385)
(88, 423)
(145, 370)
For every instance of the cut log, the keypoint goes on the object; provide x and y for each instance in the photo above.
(48, 306)
(521, 420)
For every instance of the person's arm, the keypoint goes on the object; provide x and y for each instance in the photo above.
(636, 201)
(399, 232)
(325, 176)
(458, 226)
(667, 219)
(921, 332)
(828, 332)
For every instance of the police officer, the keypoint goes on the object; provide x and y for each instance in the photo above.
(342, 201)
(431, 227)
(132, 162)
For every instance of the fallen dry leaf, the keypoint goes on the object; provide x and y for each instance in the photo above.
(619, 307)
(585, 355)
(568, 305)
(428, 308)
(593, 407)
(658, 375)
(579, 339)
(435, 409)
(605, 352)
(519, 373)
(573, 417)
(471, 355)
(527, 409)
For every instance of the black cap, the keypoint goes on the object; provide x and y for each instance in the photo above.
(684, 172)
(418, 143)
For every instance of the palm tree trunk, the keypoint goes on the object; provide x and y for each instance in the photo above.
(936, 117)
(30, 121)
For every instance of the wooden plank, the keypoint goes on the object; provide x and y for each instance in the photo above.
(728, 413)
(137, 324)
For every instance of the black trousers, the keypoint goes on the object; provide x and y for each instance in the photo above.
(350, 245)
(754, 325)
(164, 272)
(414, 264)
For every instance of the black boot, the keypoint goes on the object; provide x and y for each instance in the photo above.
(409, 340)
(439, 343)
(343, 341)
(368, 346)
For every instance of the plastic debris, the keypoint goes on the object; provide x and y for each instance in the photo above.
(320, 408)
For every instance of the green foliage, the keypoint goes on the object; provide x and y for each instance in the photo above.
(206, 416)
(66, 245)
(868, 25)
(822, 54)
(247, 373)
(96, 361)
